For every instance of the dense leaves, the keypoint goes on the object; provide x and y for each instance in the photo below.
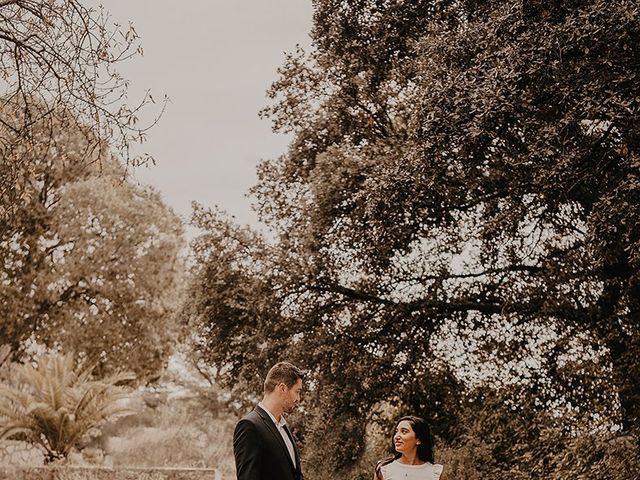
(506, 441)
(91, 261)
(461, 190)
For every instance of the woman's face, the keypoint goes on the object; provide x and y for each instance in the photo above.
(404, 439)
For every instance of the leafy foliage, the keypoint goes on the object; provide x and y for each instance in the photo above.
(181, 433)
(62, 56)
(91, 260)
(56, 404)
(459, 207)
(508, 440)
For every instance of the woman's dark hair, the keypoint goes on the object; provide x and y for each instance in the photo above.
(423, 433)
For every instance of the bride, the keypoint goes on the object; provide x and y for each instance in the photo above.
(413, 458)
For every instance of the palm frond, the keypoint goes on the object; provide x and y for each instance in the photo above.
(58, 404)
(14, 396)
(5, 353)
(11, 430)
(84, 374)
(119, 377)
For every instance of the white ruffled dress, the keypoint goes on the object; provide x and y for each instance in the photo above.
(401, 471)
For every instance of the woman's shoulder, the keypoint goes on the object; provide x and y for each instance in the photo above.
(436, 470)
(381, 467)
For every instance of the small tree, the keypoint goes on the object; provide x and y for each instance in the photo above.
(56, 404)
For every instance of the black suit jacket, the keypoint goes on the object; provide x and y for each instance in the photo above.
(260, 451)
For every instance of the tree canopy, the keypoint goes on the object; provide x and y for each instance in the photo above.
(91, 260)
(459, 207)
(62, 56)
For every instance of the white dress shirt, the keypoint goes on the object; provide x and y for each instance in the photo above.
(280, 426)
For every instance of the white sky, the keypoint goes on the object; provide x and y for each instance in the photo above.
(215, 59)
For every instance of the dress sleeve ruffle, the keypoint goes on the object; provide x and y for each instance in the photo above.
(437, 471)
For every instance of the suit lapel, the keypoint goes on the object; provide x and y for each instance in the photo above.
(274, 430)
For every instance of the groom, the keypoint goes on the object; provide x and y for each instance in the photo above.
(263, 446)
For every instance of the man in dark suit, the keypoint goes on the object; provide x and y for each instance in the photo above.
(263, 446)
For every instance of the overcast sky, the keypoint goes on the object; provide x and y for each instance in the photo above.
(215, 59)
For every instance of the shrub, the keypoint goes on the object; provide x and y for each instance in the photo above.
(179, 433)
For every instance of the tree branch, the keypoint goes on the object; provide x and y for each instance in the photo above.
(5, 3)
(498, 306)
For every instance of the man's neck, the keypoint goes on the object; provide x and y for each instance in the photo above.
(273, 407)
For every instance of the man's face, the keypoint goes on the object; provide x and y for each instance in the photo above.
(290, 396)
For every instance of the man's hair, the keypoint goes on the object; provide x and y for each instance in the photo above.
(282, 372)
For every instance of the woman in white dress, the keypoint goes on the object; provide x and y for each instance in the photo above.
(413, 457)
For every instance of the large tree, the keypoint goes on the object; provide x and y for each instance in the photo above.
(462, 194)
(91, 260)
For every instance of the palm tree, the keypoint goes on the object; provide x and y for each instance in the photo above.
(55, 404)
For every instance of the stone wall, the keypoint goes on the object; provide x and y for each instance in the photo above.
(89, 473)
(19, 454)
